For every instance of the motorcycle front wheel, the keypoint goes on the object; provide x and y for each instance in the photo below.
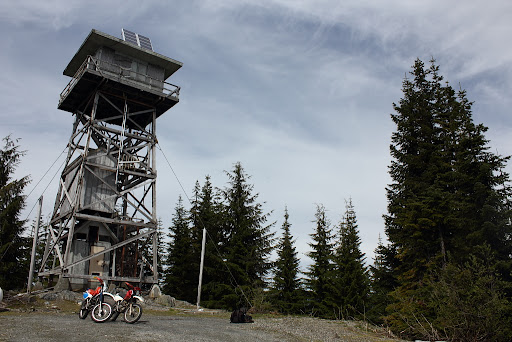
(133, 313)
(101, 312)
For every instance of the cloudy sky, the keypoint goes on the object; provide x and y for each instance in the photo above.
(299, 91)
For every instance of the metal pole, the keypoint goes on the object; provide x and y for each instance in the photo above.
(201, 269)
(34, 246)
(153, 202)
(46, 249)
(114, 263)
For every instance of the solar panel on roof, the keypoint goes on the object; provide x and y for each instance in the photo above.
(145, 42)
(137, 39)
(130, 37)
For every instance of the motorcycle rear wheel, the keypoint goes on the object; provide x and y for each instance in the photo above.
(114, 316)
(101, 313)
(133, 313)
(82, 314)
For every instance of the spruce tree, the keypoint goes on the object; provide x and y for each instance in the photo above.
(14, 248)
(248, 238)
(206, 213)
(196, 236)
(449, 194)
(409, 224)
(179, 281)
(286, 281)
(352, 287)
(320, 277)
(196, 226)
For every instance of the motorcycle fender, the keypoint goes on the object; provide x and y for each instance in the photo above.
(139, 298)
(118, 298)
(109, 295)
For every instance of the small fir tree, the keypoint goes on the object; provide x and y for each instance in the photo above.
(382, 281)
(469, 301)
(179, 281)
(286, 281)
(352, 284)
(160, 252)
(146, 248)
(320, 277)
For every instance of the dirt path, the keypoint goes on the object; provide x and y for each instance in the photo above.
(69, 328)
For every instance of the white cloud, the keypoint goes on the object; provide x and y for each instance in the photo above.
(299, 91)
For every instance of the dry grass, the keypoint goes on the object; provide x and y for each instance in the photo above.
(33, 304)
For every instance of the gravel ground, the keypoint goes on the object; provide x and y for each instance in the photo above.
(66, 327)
(314, 329)
(69, 328)
(53, 317)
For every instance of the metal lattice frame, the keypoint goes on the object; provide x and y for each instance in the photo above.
(132, 150)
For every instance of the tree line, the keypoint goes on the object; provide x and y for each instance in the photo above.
(238, 271)
(443, 273)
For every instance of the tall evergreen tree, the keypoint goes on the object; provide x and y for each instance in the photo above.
(14, 248)
(196, 228)
(449, 194)
(249, 241)
(352, 283)
(206, 213)
(179, 281)
(409, 224)
(320, 277)
(286, 281)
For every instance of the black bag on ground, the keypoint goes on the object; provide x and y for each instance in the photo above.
(240, 316)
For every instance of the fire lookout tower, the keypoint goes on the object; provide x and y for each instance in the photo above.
(104, 221)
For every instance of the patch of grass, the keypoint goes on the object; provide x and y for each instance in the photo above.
(36, 304)
(67, 306)
(9, 313)
(187, 313)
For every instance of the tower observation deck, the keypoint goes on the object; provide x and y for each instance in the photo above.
(104, 221)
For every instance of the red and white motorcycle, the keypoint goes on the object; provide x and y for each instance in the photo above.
(94, 302)
(130, 305)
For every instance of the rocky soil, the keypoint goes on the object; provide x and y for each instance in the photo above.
(53, 317)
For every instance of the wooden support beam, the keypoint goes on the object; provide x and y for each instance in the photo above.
(106, 250)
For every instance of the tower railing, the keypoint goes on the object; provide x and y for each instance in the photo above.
(115, 71)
